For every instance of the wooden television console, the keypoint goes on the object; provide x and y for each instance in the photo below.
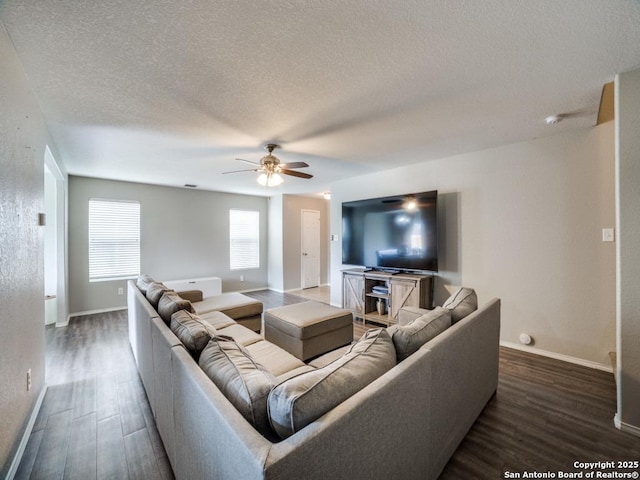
(403, 290)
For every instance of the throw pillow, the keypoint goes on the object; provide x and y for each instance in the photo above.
(155, 291)
(407, 339)
(300, 400)
(191, 331)
(170, 303)
(463, 302)
(244, 382)
(143, 283)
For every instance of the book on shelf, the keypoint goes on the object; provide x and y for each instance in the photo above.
(380, 289)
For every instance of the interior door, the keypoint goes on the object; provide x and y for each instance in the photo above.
(310, 250)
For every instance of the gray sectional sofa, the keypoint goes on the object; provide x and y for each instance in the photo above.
(406, 423)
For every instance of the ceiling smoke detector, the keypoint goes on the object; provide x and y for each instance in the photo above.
(553, 119)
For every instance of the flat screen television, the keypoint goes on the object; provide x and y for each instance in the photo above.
(392, 233)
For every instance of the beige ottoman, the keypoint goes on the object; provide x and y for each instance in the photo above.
(308, 329)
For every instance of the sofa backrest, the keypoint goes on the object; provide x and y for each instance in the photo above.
(406, 424)
(163, 341)
(140, 314)
(213, 439)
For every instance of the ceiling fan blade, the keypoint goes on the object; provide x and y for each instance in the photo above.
(293, 165)
(245, 170)
(248, 161)
(296, 174)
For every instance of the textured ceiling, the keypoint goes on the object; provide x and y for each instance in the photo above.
(172, 92)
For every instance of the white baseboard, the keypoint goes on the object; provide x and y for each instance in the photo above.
(559, 356)
(279, 290)
(89, 312)
(25, 435)
(248, 290)
(625, 427)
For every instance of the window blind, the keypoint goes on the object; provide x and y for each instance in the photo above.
(244, 239)
(114, 239)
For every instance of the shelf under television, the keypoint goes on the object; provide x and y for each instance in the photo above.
(384, 296)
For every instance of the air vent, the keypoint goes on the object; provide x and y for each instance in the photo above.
(190, 185)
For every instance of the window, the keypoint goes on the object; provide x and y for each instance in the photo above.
(244, 239)
(114, 239)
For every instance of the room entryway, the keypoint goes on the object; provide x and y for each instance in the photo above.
(310, 247)
(54, 230)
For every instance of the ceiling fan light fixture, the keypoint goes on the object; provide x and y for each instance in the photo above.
(270, 169)
(275, 180)
(269, 179)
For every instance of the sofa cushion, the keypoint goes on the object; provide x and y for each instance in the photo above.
(293, 373)
(143, 283)
(170, 303)
(327, 358)
(233, 304)
(191, 295)
(191, 331)
(240, 334)
(244, 382)
(296, 402)
(273, 358)
(461, 303)
(217, 319)
(407, 339)
(155, 291)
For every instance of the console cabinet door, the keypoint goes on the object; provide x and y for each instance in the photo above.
(353, 292)
(410, 291)
(404, 293)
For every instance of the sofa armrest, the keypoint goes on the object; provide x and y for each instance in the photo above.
(409, 314)
(191, 295)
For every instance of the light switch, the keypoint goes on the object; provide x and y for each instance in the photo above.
(608, 235)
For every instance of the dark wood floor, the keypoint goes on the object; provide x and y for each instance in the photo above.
(546, 415)
(95, 421)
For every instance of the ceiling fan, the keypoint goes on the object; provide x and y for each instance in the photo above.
(270, 168)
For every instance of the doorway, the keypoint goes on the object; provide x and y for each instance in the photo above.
(50, 249)
(310, 248)
(55, 277)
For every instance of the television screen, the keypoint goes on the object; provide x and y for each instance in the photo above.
(395, 233)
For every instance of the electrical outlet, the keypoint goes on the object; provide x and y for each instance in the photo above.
(28, 380)
(608, 235)
(242, 278)
(120, 291)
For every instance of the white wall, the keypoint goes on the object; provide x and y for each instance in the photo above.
(628, 253)
(23, 138)
(521, 222)
(184, 234)
(276, 245)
